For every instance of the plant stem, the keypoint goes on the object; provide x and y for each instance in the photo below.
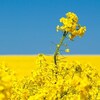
(58, 47)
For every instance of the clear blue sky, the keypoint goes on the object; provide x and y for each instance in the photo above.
(29, 26)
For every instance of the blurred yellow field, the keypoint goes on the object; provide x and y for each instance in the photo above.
(37, 77)
(24, 64)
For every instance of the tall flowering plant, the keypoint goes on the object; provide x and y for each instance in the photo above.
(71, 28)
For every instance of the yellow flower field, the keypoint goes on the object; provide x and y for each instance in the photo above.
(38, 78)
(24, 64)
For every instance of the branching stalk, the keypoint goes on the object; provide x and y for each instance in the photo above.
(58, 47)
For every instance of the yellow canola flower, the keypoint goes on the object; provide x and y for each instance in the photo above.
(81, 31)
(63, 20)
(70, 25)
(72, 16)
(71, 36)
(75, 32)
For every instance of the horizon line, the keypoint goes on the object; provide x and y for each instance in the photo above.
(49, 54)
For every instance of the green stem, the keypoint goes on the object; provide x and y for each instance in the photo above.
(58, 47)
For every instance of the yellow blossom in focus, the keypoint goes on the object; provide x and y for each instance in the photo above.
(63, 20)
(81, 31)
(73, 16)
(71, 37)
(75, 32)
(70, 25)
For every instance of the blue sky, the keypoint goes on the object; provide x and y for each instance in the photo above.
(29, 26)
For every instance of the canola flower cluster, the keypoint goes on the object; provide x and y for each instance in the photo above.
(68, 81)
(70, 25)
